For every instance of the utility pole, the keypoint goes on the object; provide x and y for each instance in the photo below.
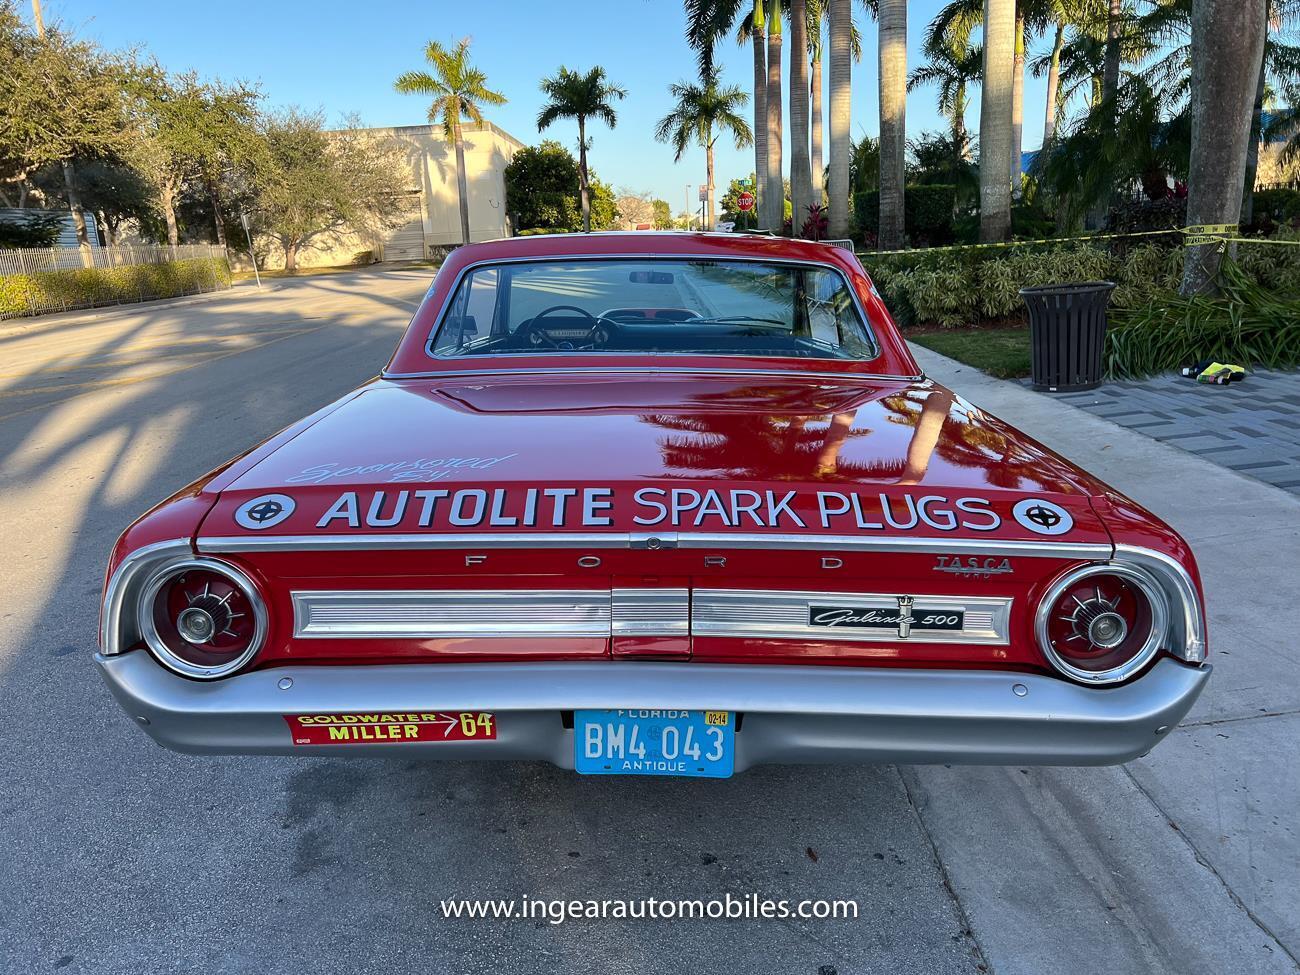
(69, 176)
(688, 209)
(243, 218)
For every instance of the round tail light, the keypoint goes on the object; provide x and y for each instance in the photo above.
(202, 618)
(1102, 624)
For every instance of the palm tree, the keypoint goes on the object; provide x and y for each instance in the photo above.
(800, 173)
(757, 40)
(580, 96)
(952, 71)
(995, 120)
(702, 113)
(816, 17)
(893, 120)
(775, 210)
(457, 88)
(707, 21)
(841, 146)
(817, 12)
(1227, 47)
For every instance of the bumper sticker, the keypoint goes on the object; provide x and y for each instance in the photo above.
(391, 728)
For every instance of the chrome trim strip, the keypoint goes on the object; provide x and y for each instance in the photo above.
(447, 614)
(651, 612)
(783, 615)
(365, 542)
(123, 590)
(667, 367)
(640, 540)
(927, 545)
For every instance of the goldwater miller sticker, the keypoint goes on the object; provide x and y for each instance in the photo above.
(391, 727)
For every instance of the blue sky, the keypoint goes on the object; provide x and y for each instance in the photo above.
(342, 57)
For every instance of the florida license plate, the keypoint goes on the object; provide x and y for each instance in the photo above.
(654, 742)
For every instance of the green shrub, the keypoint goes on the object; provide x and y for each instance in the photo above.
(927, 212)
(46, 291)
(1246, 324)
(1281, 204)
(37, 230)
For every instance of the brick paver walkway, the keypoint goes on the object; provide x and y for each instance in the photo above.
(1252, 426)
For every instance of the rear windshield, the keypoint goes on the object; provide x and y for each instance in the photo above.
(701, 307)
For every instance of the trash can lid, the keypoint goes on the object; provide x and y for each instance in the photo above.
(1069, 288)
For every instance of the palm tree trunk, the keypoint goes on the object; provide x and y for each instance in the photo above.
(758, 40)
(959, 103)
(1018, 102)
(840, 17)
(583, 185)
(995, 120)
(1227, 47)
(815, 163)
(1110, 67)
(1252, 147)
(462, 186)
(708, 162)
(800, 173)
(1053, 84)
(775, 176)
(893, 120)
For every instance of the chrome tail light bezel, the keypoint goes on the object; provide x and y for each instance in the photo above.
(127, 618)
(1178, 622)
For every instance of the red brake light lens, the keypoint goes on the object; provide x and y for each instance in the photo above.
(203, 619)
(1102, 624)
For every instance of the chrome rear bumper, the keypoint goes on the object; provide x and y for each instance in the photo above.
(790, 714)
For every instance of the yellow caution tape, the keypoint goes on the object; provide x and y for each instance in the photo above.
(1197, 235)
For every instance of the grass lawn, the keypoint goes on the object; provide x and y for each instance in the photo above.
(1001, 352)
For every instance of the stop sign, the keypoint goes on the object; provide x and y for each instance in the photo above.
(745, 201)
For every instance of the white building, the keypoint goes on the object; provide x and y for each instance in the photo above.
(433, 199)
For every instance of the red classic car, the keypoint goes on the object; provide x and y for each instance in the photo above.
(667, 504)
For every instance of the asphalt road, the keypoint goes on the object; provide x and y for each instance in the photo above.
(117, 856)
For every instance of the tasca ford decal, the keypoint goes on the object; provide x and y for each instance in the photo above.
(650, 508)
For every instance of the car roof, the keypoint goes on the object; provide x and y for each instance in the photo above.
(413, 358)
(656, 243)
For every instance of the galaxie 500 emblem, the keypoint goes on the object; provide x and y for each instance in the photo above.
(902, 621)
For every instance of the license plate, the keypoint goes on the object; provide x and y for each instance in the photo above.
(652, 742)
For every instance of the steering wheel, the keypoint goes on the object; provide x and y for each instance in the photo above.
(600, 330)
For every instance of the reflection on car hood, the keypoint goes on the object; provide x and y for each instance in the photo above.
(482, 454)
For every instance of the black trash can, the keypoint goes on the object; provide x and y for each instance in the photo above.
(1067, 329)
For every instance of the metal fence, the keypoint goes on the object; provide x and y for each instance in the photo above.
(36, 260)
(27, 286)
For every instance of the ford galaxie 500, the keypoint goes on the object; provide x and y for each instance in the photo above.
(667, 504)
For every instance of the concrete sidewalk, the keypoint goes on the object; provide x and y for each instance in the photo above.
(1187, 860)
(1249, 427)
